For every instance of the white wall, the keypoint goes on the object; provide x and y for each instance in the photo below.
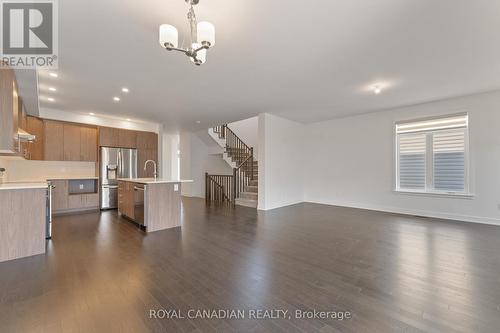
(248, 131)
(351, 162)
(281, 162)
(168, 156)
(199, 154)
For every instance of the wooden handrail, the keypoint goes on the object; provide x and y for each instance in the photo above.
(237, 137)
(246, 159)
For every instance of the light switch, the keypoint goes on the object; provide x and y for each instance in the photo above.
(176, 187)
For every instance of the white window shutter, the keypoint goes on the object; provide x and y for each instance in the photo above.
(449, 160)
(411, 161)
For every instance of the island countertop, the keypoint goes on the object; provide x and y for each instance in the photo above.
(155, 181)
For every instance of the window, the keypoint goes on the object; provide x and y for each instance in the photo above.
(432, 155)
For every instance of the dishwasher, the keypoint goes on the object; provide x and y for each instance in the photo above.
(139, 197)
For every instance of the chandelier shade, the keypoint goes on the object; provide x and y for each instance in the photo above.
(169, 36)
(206, 33)
(202, 37)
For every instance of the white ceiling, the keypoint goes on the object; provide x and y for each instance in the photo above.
(304, 60)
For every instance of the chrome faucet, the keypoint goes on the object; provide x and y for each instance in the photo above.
(154, 163)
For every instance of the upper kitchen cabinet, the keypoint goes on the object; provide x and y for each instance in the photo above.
(127, 139)
(72, 142)
(54, 138)
(69, 142)
(88, 144)
(116, 137)
(108, 136)
(147, 140)
(35, 126)
(9, 114)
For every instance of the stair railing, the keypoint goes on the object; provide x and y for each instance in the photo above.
(219, 188)
(243, 173)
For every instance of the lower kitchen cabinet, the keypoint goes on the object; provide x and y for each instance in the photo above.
(59, 195)
(126, 199)
(63, 201)
(83, 201)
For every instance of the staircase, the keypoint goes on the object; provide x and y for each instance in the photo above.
(240, 188)
(249, 196)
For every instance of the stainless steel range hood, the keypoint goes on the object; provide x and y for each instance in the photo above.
(24, 136)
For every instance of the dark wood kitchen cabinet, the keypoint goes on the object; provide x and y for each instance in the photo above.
(147, 149)
(35, 126)
(147, 140)
(127, 138)
(126, 199)
(108, 136)
(88, 144)
(142, 156)
(54, 138)
(9, 111)
(72, 142)
(69, 142)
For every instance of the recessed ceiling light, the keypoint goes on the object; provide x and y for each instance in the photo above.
(125, 90)
(377, 90)
(198, 122)
(116, 99)
(52, 89)
(128, 119)
(92, 113)
(50, 99)
(53, 74)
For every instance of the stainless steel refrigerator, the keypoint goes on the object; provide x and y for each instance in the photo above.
(115, 163)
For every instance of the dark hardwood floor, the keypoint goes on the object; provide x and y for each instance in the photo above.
(393, 273)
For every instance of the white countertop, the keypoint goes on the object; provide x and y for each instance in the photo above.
(72, 178)
(22, 185)
(153, 181)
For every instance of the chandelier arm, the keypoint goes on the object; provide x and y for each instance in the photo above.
(177, 49)
(203, 47)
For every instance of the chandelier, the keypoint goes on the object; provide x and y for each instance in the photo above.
(202, 37)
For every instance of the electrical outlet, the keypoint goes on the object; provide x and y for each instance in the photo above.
(81, 186)
(176, 188)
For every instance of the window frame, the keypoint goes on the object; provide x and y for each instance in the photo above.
(429, 160)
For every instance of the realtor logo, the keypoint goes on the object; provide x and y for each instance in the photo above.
(29, 33)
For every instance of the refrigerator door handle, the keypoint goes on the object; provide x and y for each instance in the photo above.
(120, 167)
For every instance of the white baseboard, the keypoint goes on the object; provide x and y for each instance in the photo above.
(416, 212)
(279, 205)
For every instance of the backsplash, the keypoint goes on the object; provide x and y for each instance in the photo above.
(25, 170)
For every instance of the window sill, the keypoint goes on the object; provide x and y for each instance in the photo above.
(437, 194)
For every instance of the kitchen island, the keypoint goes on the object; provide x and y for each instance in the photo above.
(154, 204)
(23, 208)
